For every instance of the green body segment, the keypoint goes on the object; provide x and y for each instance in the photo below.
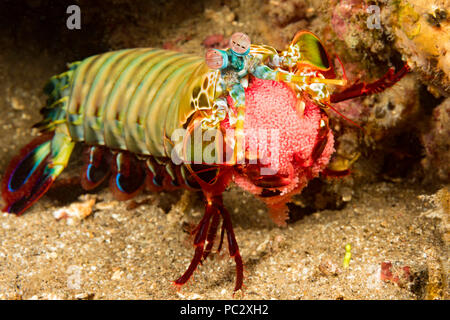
(129, 99)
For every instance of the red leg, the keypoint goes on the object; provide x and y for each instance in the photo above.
(233, 248)
(206, 230)
(364, 89)
(211, 235)
(222, 233)
(199, 243)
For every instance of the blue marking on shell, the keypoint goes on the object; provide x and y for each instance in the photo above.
(156, 183)
(118, 183)
(88, 172)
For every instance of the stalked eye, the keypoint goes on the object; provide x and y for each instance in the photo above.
(214, 59)
(240, 42)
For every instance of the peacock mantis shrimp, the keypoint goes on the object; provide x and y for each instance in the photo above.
(140, 112)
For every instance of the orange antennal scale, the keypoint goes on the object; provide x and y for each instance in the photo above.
(312, 52)
(336, 82)
(309, 80)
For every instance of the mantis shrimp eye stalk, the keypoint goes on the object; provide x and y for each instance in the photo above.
(240, 43)
(215, 59)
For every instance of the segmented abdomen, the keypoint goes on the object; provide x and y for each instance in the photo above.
(132, 99)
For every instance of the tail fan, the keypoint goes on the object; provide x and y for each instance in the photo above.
(33, 171)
